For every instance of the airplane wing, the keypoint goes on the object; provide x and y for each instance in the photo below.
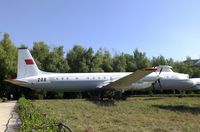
(126, 82)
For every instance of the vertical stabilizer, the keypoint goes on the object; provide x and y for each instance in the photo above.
(26, 64)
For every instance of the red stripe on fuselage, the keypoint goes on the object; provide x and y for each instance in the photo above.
(150, 69)
(29, 61)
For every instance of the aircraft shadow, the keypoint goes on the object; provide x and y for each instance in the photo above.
(153, 98)
(104, 103)
(180, 108)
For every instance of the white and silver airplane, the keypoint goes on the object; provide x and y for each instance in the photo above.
(161, 77)
(28, 75)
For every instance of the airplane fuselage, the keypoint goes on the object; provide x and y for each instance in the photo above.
(71, 81)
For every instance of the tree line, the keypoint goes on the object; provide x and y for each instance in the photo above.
(79, 59)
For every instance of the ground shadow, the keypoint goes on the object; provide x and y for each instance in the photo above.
(153, 98)
(105, 103)
(180, 108)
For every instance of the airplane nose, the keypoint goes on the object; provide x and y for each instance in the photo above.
(185, 76)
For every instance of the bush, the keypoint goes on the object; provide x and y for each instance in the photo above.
(32, 119)
(4, 99)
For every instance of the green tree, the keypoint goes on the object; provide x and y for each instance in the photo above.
(130, 62)
(8, 58)
(107, 61)
(40, 52)
(2, 63)
(170, 62)
(160, 60)
(183, 68)
(102, 61)
(76, 59)
(96, 63)
(119, 63)
(140, 59)
(55, 61)
(90, 60)
(8, 64)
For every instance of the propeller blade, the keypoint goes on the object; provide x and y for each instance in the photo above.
(159, 83)
(160, 71)
(153, 85)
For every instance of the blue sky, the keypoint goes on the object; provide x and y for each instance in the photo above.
(157, 27)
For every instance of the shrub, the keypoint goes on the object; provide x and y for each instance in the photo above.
(32, 119)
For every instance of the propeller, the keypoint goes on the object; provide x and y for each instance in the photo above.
(158, 79)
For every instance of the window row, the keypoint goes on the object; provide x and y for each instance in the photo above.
(67, 78)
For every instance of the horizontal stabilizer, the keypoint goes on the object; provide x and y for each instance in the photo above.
(15, 81)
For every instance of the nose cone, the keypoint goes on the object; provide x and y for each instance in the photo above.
(196, 83)
(182, 76)
(187, 76)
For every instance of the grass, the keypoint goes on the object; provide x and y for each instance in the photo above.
(152, 114)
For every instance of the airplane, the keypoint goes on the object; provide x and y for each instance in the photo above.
(28, 75)
(161, 78)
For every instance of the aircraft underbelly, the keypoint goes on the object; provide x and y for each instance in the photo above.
(69, 86)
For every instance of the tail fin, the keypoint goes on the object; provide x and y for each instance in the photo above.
(26, 64)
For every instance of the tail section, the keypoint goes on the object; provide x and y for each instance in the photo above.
(26, 64)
